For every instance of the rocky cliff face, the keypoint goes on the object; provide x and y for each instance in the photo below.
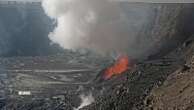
(149, 86)
(171, 25)
(163, 83)
(24, 29)
(166, 27)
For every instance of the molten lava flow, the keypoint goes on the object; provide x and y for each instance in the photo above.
(121, 65)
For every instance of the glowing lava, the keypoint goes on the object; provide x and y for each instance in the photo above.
(121, 65)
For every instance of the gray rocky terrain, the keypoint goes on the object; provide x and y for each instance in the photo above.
(66, 80)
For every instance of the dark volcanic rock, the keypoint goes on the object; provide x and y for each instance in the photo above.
(168, 30)
(170, 26)
(177, 90)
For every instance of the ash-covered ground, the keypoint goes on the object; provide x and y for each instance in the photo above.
(63, 83)
(162, 84)
(71, 80)
(51, 80)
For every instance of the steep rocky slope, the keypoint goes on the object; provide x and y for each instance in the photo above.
(169, 30)
(177, 92)
(164, 81)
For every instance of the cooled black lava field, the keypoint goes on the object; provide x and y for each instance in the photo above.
(38, 75)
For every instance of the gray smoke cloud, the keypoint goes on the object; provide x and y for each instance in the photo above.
(101, 25)
(24, 30)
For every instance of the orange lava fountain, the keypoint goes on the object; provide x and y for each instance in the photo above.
(121, 65)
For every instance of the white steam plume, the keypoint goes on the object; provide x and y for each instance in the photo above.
(86, 100)
(100, 25)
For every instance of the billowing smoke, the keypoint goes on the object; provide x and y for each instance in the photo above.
(101, 25)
